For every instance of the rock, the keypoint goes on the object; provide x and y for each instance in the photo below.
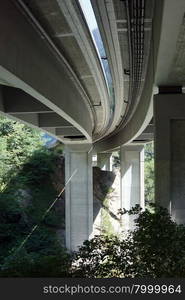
(102, 183)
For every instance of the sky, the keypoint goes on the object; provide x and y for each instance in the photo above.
(88, 13)
(92, 24)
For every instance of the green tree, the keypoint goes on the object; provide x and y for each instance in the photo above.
(26, 192)
(155, 249)
(18, 143)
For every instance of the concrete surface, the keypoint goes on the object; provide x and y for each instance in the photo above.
(79, 196)
(169, 142)
(132, 181)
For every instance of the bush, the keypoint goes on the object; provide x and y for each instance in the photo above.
(156, 248)
(27, 190)
(39, 168)
(25, 264)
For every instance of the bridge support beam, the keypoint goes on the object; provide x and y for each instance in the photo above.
(78, 195)
(132, 181)
(169, 142)
(104, 161)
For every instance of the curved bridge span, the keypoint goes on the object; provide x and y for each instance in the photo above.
(91, 76)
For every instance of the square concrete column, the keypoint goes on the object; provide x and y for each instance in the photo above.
(78, 195)
(169, 143)
(132, 181)
(104, 161)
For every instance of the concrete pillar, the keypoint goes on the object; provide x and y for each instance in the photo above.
(78, 195)
(132, 181)
(169, 143)
(104, 161)
(111, 163)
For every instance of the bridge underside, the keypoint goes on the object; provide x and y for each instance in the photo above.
(51, 77)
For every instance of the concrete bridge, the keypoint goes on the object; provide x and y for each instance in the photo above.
(53, 77)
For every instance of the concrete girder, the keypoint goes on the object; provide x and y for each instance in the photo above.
(165, 67)
(32, 119)
(51, 131)
(51, 123)
(52, 120)
(67, 131)
(106, 19)
(147, 135)
(139, 120)
(62, 132)
(162, 18)
(28, 62)
(16, 101)
(139, 117)
(82, 35)
(20, 106)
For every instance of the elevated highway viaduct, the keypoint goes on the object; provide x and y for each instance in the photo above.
(53, 76)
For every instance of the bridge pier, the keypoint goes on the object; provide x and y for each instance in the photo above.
(78, 195)
(104, 161)
(169, 142)
(132, 181)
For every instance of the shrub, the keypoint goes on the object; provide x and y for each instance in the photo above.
(156, 248)
(25, 264)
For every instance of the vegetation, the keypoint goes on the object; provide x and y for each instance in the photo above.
(18, 143)
(149, 173)
(116, 159)
(106, 225)
(27, 190)
(155, 249)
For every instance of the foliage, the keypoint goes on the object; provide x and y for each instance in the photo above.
(149, 173)
(106, 225)
(42, 163)
(26, 264)
(18, 143)
(156, 248)
(12, 226)
(26, 171)
(98, 258)
(116, 159)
